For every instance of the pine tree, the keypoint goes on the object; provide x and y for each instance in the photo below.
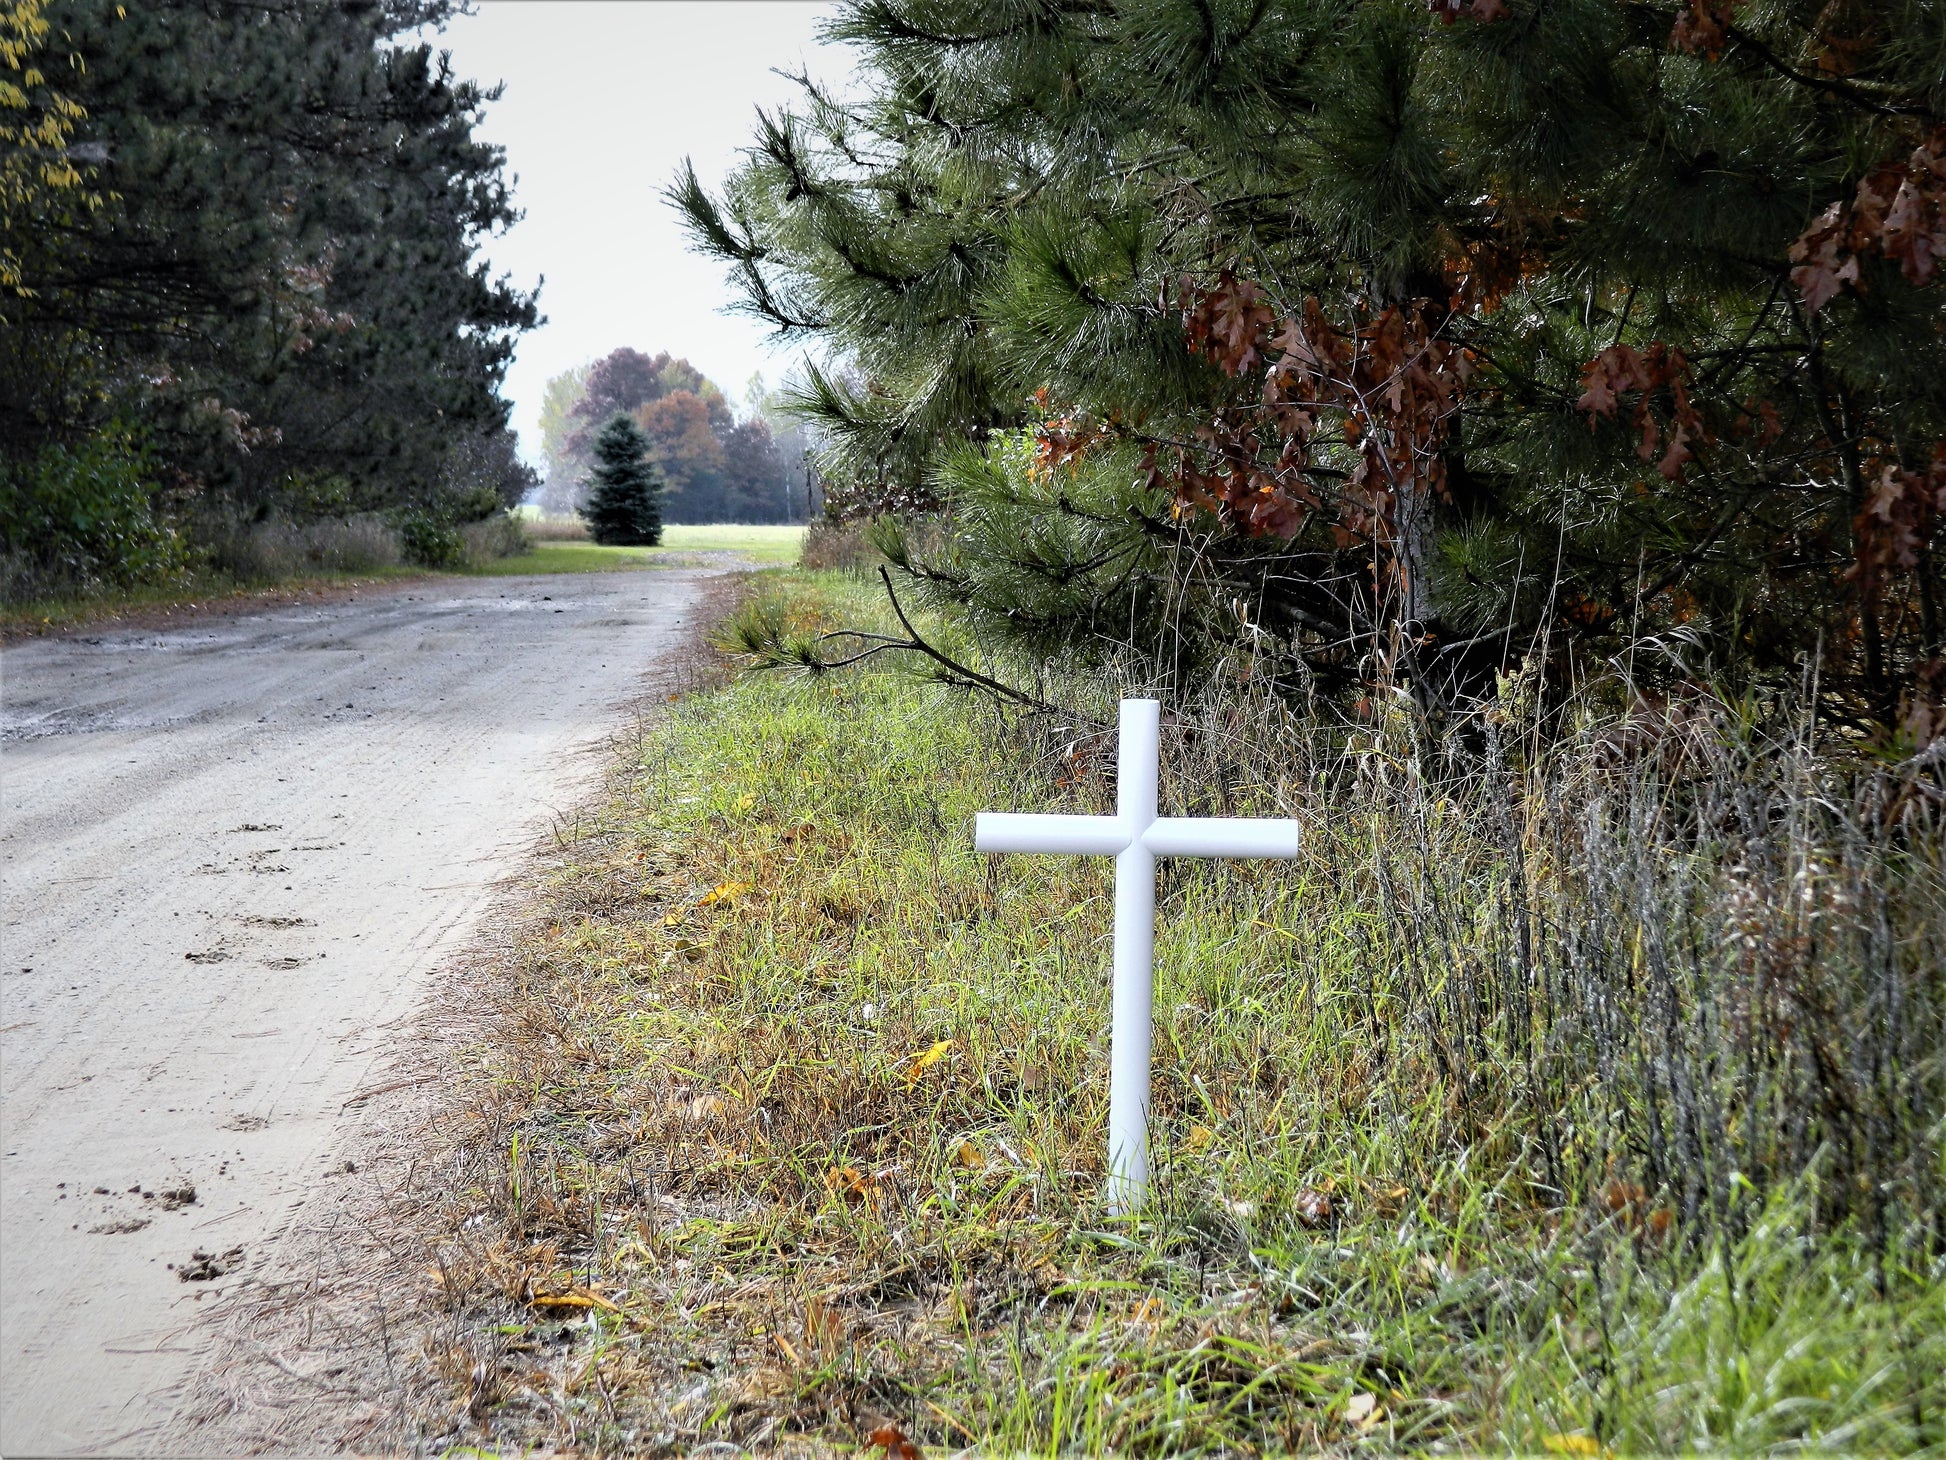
(1373, 341)
(278, 281)
(624, 506)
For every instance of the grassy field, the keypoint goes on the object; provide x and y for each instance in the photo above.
(792, 1131)
(764, 546)
(772, 546)
(570, 557)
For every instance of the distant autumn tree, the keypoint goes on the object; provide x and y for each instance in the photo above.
(560, 489)
(618, 384)
(715, 467)
(756, 484)
(683, 440)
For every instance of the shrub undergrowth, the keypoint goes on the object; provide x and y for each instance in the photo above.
(1582, 1095)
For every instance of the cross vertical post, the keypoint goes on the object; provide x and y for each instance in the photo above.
(1137, 762)
(1135, 836)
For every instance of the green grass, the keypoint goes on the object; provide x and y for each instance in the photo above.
(567, 557)
(771, 545)
(766, 546)
(811, 1096)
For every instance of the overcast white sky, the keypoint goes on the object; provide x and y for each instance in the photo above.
(604, 99)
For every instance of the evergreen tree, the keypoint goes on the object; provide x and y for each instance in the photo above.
(279, 282)
(624, 506)
(1374, 341)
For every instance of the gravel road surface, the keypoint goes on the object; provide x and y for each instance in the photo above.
(231, 852)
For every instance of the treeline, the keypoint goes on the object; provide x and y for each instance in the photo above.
(1376, 344)
(240, 286)
(714, 466)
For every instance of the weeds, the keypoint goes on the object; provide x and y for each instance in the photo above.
(1565, 1099)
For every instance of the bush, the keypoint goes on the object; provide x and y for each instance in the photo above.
(839, 546)
(431, 543)
(498, 536)
(83, 517)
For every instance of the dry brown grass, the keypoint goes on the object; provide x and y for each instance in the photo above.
(555, 529)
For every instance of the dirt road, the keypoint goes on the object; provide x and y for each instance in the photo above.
(232, 853)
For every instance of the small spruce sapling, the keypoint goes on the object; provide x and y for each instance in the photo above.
(624, 507)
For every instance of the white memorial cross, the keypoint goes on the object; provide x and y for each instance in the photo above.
(1134, 836)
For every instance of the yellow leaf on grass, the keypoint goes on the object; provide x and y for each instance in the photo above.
(672, 920)
(723, 892)
(849, 1184)
(1199, 1138)
(926, 1061)
(1573, 1444)
(968, 1155)
(573, 1298)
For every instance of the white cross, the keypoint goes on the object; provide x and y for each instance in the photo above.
(1134, 836)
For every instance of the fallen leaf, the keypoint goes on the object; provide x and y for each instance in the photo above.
(1313, 1208)
(968, 1155)
(924, 1062)
(723, 892)
(576, 1297)
(892, 1440)
(1199, 1139)
(672, 920)
(1573, 1444)
(850, 1184)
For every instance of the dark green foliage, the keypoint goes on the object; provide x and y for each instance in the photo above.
(71, 518)
(624, 507)
(281, 286)
(430, 542)
(997, 232)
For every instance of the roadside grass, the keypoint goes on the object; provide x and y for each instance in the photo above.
(764, 546)
(565, 557)
(792, 1128)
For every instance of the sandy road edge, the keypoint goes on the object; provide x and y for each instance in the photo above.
(343, 1344)
(113, 616)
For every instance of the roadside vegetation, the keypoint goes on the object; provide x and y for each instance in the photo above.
(562, 545)
(1582, 1095)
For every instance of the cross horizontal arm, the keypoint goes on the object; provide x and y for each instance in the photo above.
(1206, 836)
(1083, 836)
